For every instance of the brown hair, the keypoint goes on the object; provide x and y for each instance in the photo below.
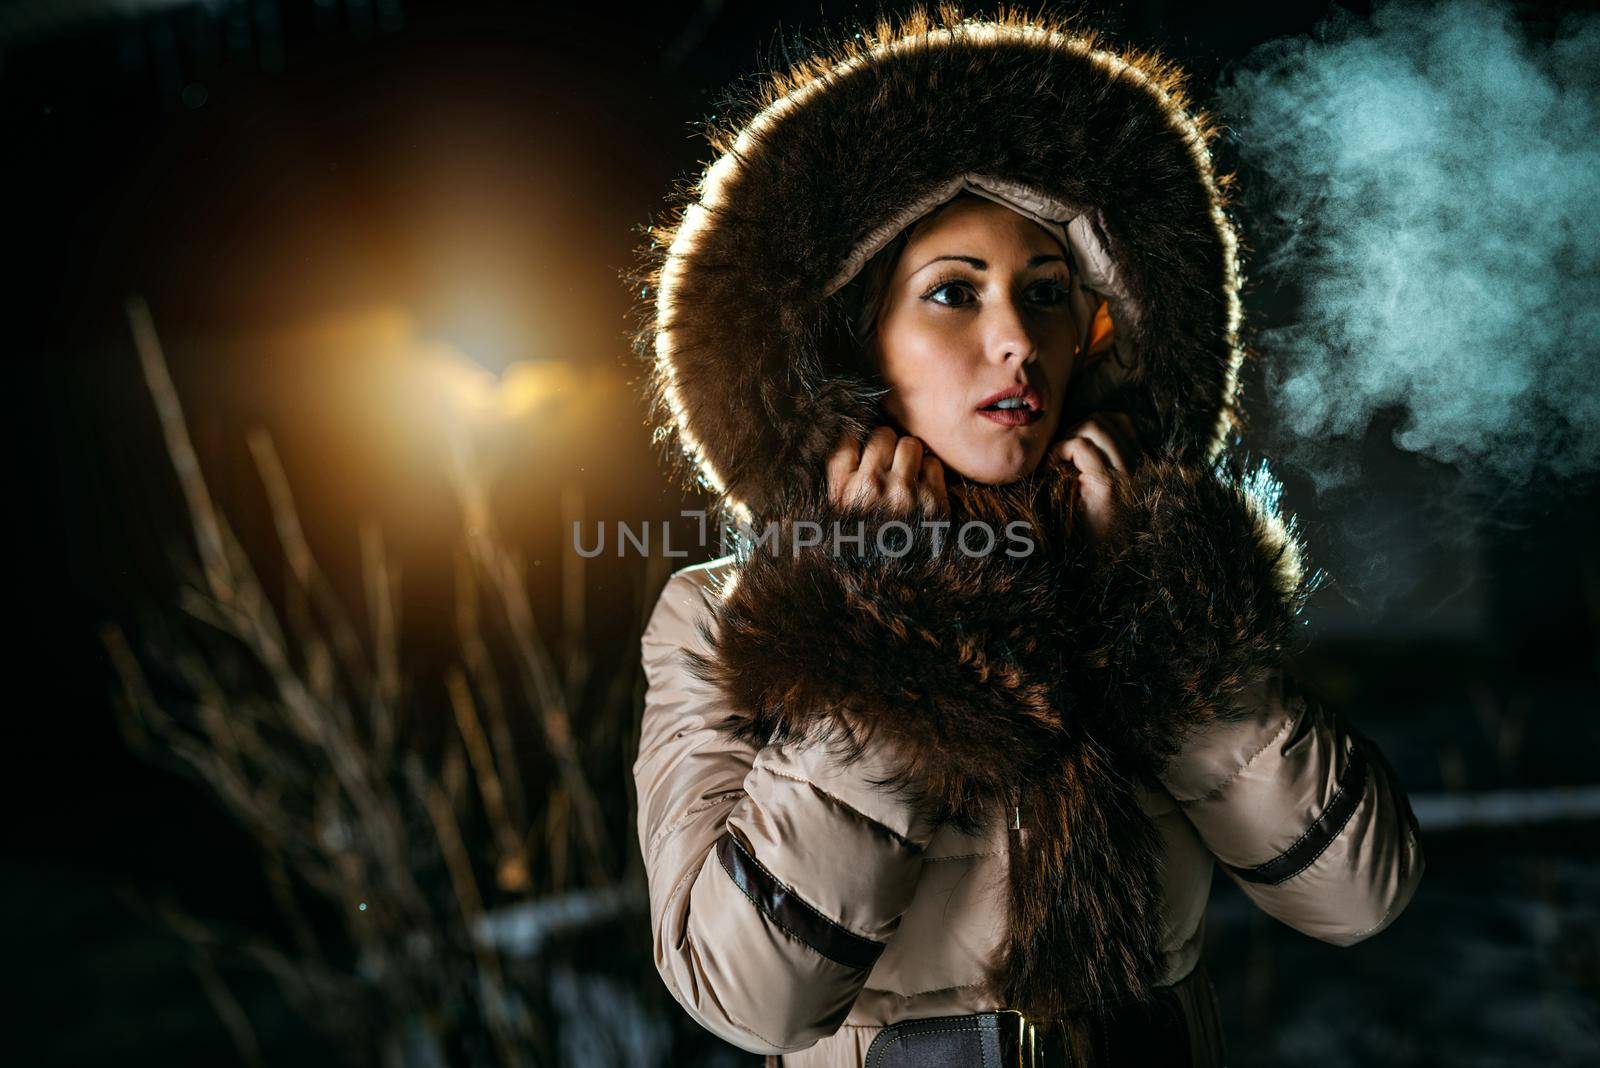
(865, 294)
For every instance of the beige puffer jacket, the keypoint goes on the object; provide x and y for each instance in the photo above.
(1054, 751)
(865, 869)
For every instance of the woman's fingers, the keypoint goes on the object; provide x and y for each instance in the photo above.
(1093, 483)
(878, 453)
(932, 493)
(842, 464)
(905, 473)
(864, 482)
(1085, 455)
(1094, 470)
(887, 469)
(1097, 430)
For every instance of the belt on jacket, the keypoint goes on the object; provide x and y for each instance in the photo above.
(1153, 1034)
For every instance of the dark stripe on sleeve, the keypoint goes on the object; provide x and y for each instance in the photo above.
(1300, 856)
(783, 907)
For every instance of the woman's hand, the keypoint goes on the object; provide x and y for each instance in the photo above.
(1103, 448)
(896, 471)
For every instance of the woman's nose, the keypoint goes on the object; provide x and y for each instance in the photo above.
(1007, 333)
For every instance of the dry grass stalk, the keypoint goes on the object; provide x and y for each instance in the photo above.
(302, 731)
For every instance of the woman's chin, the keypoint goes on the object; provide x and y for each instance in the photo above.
(997, 470)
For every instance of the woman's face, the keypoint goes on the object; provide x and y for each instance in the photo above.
(978, 305)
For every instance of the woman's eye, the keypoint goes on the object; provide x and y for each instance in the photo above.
(1049, 292)
(948, 287)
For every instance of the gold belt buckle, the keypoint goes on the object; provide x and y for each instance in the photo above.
(1026, 1043)
(1020, 1041)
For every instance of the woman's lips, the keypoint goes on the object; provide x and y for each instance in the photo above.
(1029, 406)
(1012, 416)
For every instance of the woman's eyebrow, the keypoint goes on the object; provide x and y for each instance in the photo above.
(982, 265)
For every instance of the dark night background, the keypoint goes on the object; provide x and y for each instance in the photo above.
(298, 188)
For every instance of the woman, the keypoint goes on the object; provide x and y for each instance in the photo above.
(903, 800)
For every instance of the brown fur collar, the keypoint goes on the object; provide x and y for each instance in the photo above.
(1070, 672)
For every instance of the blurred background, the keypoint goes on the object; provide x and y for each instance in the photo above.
(321, 731)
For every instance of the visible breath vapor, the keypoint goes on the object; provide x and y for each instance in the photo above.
(1429, 187)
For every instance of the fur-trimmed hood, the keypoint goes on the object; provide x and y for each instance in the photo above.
(1048, 684)
(752, 376)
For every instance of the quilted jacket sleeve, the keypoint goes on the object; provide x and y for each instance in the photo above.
(1204, 591)
(1303, 812)
(776, 875)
